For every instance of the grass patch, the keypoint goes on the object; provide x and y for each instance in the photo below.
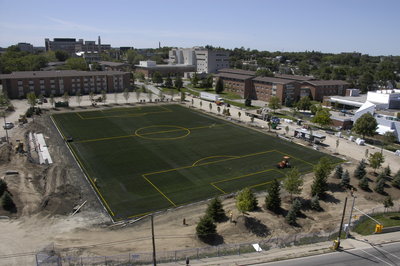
(241, 105)
(147, 158)
(367, 226)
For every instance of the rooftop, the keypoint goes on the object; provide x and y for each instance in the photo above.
(237, 71)
(113, 64)
(274, 80)
(233, 76)
(326, 82)
(56, 73)
(294, 77)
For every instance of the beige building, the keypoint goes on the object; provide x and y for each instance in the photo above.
(18, 84)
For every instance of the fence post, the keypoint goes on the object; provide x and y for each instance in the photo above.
(175, 255)
(239, 249)
(197, 253)
(218, 251)
(129, 259)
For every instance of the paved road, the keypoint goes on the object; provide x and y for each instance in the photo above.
(388, 254)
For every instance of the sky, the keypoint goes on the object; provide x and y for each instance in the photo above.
(366, 26)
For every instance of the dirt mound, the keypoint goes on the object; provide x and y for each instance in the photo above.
(61, 202)
(5, 153)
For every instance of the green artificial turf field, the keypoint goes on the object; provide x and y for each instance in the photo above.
(148, 158)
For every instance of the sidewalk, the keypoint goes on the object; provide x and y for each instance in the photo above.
(360, 242)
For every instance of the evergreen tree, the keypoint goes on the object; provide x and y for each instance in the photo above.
(294, 211)
(388, 202)
(3, 187)
(381, 176)
(219, 87)
(321, 173)
(296, 207)
(246, 201)
(380, 186)
(195, 79)
(387, 171)
(215, 210)
(360, 172)
(345, 182)
(396, 180)
(315, 204)
(364, 184)
(168, 82)
(206, 230)
(7, 202)
(247, 102)
(338, 171)
(273, 199)
(157, 78)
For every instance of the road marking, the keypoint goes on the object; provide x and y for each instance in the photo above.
(376, 257)
(386, 252)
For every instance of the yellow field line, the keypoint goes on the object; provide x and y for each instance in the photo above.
(78, 114)
(216, 156)
(261, 184)
(108, 138)
(159, 190)
(91, 181)
(238, 177)
(217, 188)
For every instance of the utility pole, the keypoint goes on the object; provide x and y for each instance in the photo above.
(341, 223)
(351, 213)
(5, 127)
(152, 238)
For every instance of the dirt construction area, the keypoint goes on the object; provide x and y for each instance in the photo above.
(45, 197)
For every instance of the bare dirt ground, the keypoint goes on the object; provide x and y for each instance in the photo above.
(46, 195)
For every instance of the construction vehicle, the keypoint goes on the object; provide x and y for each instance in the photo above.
(284, 163)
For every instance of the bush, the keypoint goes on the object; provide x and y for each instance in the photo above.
(387, 171)
(345, 182)
(3, 187)
(215, 210)
(364, 184)
(7, 202)
(360, 172)
(294, 211)
(388, 202)
(206, 230)
(396, 180)
(381, 175)
(246, 201)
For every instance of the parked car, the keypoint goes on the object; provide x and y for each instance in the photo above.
(8, 125)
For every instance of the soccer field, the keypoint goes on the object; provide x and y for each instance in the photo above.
(148, 158)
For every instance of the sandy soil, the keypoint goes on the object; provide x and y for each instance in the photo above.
(46, 195)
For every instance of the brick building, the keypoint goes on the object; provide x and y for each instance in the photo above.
(288, 88)
(18, 84)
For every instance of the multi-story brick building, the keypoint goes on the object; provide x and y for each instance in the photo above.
(18, 84)
(288, 88)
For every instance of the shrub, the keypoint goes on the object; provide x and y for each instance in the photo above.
(396, 180)
(315, 204)
(364, 184)
(246, 201)
(380, 186)
(387, 171)
(338, 172)
(273, 199)
(3, 187)
(360, 172)
(388, 202)
(345, 182)
(7, 202)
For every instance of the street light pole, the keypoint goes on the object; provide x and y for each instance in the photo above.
(153, 241)
(351, 213)
(341, 223)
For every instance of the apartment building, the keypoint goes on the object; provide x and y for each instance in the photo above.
(18, 84)
(288, 88)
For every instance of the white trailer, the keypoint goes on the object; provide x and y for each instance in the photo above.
(211, 97)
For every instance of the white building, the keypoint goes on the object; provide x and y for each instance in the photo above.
(205, 60)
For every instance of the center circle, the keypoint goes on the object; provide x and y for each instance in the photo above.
(162, 132)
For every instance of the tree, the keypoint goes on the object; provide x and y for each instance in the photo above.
(215, 210)
(168, 82)
(157, 78)
(61, 55)
(293, 182)
(65, 97)
(376, 160)
(366, 125)
(137, 91)
(195, 79)
(51, 100)
(3, 187)
(206, 230)
(178, 83)
(126, 94)
(31, 97)
(7, 202)
(338, 172)
(78, 97)
(210, 106)
(380, 186)
(273, 198)
(76, 64)
(91, 96)
(247, 102)
(389, 138)
(321, 173)
(304, 103)
(315, 204)
(219, 86)
(239, 115)
(360, 172)
(183, 96)
(387, 171)
(388, 202)
(287, 130)
(364, 184)
(322, 117)
(345, 182)
(246, 201)
(315, 108)
(274, 103)
(396, 180)
(294, 211)
(103, 96)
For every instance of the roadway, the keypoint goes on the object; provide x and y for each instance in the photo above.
(387, 254)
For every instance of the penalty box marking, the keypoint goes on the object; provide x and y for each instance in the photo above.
(165, 110)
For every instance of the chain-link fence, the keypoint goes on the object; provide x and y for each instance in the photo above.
(49, 256)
